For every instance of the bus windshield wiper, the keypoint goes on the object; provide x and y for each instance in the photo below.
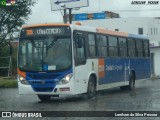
(52, 43)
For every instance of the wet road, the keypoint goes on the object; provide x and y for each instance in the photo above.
(146, 97)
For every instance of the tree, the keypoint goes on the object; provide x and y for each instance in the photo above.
(13, 17)
(11, 20)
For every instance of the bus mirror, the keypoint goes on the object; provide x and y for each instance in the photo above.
(80, 42)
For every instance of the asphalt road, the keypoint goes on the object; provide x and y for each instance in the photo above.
(146, 97)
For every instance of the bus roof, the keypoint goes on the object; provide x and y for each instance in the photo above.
(44, 25)
(108, 32)
(91, 29)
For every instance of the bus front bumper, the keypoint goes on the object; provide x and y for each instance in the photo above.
(59, 90)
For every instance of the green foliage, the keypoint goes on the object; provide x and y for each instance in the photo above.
(11, 20)
(8, 83)
(13, 17)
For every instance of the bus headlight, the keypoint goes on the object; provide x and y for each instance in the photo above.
(66, 79)
(23, 80)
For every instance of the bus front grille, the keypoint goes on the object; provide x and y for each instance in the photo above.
(41, 89)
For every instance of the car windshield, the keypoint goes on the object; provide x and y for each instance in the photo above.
(45, 54)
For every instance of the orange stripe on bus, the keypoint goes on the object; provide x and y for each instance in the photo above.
(23, 74)
(103, 31)
(101, 70)
(44, 25)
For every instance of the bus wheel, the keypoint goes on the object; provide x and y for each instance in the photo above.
(44, 97)
(131, 85)
(91, 90)
(132, 82)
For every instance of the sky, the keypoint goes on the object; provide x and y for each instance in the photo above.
(42, 13)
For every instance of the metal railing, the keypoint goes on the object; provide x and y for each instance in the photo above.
(8, 66)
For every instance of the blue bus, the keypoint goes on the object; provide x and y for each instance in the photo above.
(58, 60)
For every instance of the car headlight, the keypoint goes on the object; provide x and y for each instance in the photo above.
(23, 80)
(66, 79)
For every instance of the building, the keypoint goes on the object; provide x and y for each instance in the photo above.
(142, 26)
(14, 44)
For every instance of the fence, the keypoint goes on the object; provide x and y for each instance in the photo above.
(7, 64)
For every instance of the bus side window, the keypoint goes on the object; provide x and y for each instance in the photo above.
(139, 46)
(123, 47)
(146, 48)
(131, 48)
(113, 46)
(92, 45)
(79, 48)
(102, 45)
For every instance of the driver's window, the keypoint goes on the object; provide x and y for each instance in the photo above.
(79, 51)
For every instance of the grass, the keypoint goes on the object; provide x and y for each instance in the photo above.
(8, 83)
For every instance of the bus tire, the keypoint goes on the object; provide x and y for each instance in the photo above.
(131, 85)
(132, 82)
(91, 90)
(44, 97)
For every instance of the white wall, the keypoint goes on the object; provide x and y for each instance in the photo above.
(129, 25)
(154, 29)
(156, 52)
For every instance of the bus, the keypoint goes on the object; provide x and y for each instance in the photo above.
(59, 60)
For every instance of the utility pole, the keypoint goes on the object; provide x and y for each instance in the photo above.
(65, 16)
(70, 15)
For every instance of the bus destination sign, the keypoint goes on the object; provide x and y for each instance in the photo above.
(44, 31)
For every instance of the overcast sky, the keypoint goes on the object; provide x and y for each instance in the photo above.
(41, 12)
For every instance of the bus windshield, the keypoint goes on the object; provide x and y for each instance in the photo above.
(45, 54)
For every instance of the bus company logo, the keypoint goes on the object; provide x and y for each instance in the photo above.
(114, 67)
(144, 2)
(101, 70)
(7, 2)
